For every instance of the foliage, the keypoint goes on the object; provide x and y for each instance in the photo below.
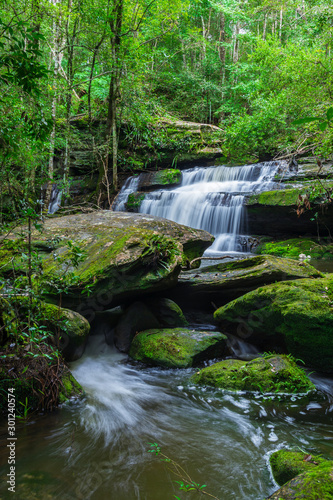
(185, 482)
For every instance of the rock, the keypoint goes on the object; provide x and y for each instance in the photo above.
(296, 315)
(70, 388)
(293, 248)
(178, 347)
(270, 374)
(105, 321)
(162, 178)
(316, 484)
(136, 318)
(224, 282)
(287, 464)
(167, 312)
(70, 328)
(118, 255)
(274, 213)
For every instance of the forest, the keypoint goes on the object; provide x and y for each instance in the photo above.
(166, 249)
(252, 68)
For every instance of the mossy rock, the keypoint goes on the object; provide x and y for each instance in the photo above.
(221, 283)
(287, 464)
(167, 312)
(70, 388)
(295, 315)
(178, 347)
(285, 197)
(126, 255)
(270, 374)
(316, 484)
(68, 328)
(292, 248)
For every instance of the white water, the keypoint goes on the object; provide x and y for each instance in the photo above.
(55, 200)
(210, 198)
(96, 448)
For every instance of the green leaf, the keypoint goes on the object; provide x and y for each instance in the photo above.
(323, 126)
(329, 114)
(308, 119)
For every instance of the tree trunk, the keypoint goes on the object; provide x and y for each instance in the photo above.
(56, 62)
(109, 176)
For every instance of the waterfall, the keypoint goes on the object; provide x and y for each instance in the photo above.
(210, 198)
(55, 200)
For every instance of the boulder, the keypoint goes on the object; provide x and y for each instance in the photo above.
(70, 329)
(136, 318)
(296, 316)
(97, 260)
(167, 312)
(287, 464)
(274, 213)
(226, 281)
(177, 347)
(269, 374)
(316, 484)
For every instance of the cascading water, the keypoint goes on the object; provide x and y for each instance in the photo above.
(55, 200)
(210, 198)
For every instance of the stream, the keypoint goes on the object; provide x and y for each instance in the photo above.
(97, 447)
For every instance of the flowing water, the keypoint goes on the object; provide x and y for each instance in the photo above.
(210, 198)
(97, 448)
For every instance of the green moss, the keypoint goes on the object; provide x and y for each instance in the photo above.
(299, 312)
(134, 201)
(270, 374)
(176, 348)
(317, 484)
(168, 176)
(292, 248)
(288, 464)
(278, 197)
(69, 387)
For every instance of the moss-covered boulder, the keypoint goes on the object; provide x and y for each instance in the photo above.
(178, 347)
(70, 328)
(269, 374)
(316, 484)
(65, 329)
(287, 464)
(297, 316)
(117, 255)
(221, 283)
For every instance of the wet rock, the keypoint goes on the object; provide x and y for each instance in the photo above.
(287, 464)
(315, 484)
(136, 318)
(177, 347)
(118, 255)
(224, 282)
(296, 315)
(167, 312)
(270, 374)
